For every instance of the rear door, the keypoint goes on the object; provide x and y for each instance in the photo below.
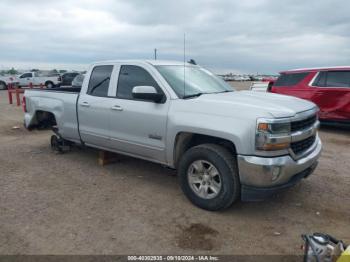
(332, 94)
(138, 127)
(94, 107)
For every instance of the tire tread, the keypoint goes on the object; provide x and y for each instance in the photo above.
(230, 160)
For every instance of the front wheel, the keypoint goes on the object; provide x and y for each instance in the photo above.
(49, 84)
(209, 177)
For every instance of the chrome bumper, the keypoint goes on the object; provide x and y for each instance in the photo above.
(265, 172)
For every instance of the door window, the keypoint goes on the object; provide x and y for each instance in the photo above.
(131, 76)
(26, 75)
(321, 79)
(338, 79)
(290, 79)
(333, 79)
(99, 80)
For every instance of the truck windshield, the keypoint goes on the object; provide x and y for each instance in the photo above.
(193, 81)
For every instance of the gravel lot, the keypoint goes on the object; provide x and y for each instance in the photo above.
(68, 204)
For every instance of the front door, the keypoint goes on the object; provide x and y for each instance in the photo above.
(25, 79)
(332, 94)
(138, 127)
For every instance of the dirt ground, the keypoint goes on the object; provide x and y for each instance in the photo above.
(68, 204)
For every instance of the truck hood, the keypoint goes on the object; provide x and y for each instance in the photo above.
(254, 103)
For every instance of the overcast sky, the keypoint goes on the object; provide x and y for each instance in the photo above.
(264, 36)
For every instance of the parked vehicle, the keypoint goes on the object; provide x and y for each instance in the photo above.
(329, 88)
(78, 80)
(67, 78)
(269, 79)
(37, 78)
(225, 144)
(261, 86)
(6, 80)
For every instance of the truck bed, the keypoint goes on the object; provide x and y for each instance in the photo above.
(60, 102)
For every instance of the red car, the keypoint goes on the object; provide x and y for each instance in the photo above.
(329, 88)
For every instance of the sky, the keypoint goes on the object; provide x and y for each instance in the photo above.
(252, 36)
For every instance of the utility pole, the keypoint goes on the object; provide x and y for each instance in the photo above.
(155, 53)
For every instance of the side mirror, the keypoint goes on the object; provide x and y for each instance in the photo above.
(147, 93)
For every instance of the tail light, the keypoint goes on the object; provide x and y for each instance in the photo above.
(24, 104)
(59, 78)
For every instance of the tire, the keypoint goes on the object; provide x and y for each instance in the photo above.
(3, 85)
(49, 84)
(225, 165)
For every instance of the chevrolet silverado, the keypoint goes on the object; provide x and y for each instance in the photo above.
(226, 145)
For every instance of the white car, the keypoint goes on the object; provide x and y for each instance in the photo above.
(37, 78)
(259, 86)
(6, 80)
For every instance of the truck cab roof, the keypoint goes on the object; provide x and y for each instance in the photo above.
(151, 62)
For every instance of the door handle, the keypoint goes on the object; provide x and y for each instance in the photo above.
(86, 104)
(117, 108)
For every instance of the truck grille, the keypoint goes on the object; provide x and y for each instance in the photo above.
(301, 146)
(303, 124)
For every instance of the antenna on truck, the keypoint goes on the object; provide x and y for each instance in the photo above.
(184, 64)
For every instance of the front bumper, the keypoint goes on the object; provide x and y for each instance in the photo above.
(264, 176)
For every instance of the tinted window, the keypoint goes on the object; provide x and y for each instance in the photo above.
(290, 79)
(321, 79)
(131, 76)
(99, 80)
(26, 75)
(72, 75)
(338, 79)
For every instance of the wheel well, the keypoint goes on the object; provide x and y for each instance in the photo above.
(185, 141)
(48, 82)
(45, 119)
(3, 83)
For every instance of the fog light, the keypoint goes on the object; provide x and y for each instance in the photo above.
(276, 171)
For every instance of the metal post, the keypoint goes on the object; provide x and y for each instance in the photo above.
(18, 100)
(9, 88)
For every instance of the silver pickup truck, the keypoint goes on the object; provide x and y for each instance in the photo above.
(226, 145)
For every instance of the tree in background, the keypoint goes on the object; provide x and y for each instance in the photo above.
(12, 71)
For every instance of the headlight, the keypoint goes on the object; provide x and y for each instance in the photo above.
(272, 135)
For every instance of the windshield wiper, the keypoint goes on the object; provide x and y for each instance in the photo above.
(201, 93)
(226, 91)
(193, 95)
